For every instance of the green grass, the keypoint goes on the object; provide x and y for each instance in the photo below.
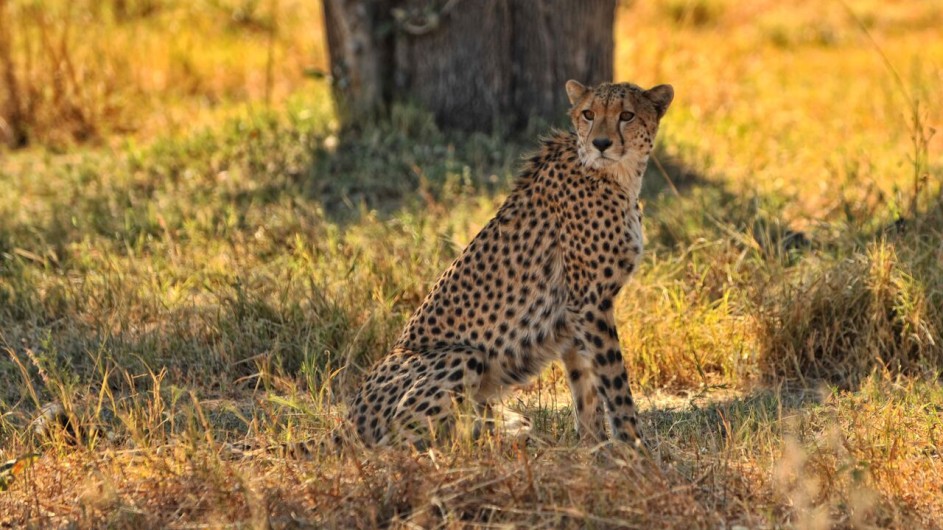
(176, 292)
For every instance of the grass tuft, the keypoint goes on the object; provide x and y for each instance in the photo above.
(840, 319)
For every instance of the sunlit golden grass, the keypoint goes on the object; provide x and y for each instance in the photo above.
(766, 108)
(185, 285)
(86, 70)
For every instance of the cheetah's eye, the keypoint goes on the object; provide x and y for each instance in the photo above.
(589, 115)
(627, 116)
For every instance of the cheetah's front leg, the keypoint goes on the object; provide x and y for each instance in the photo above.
(587, 401)
(598, 343)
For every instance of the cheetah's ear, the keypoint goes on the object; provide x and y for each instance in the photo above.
(575, 90)
(661, 96)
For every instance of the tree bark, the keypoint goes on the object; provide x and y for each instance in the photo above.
(360, 52)
(476, 64)
(555, 41)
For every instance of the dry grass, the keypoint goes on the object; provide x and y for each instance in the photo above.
(879, 309)
(177, 290)
(813, 461)
(85, 70)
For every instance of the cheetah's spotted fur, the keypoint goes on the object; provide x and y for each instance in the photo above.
(535, 285)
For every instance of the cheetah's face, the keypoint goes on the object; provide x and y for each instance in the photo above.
(616, 122)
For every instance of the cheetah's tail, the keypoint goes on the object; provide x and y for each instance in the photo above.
(332, 444)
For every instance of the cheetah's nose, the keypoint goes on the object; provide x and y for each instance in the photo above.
(602, 144)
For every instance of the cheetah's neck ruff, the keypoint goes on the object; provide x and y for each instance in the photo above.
(626, 173)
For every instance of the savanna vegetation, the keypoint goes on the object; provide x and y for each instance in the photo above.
(193, 256)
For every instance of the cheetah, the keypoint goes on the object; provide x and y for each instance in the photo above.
(535, 285)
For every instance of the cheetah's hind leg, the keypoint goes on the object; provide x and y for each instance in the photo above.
(450, 378)
(484, 420)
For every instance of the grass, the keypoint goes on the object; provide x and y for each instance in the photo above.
(85, 71)
(228, 280)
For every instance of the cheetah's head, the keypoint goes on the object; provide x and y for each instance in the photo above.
(616, 123)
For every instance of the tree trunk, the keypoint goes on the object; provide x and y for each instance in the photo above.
(358, 46)
(476, 64)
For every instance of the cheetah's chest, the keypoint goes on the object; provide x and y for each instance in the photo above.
(633, 245)
(620, 242)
